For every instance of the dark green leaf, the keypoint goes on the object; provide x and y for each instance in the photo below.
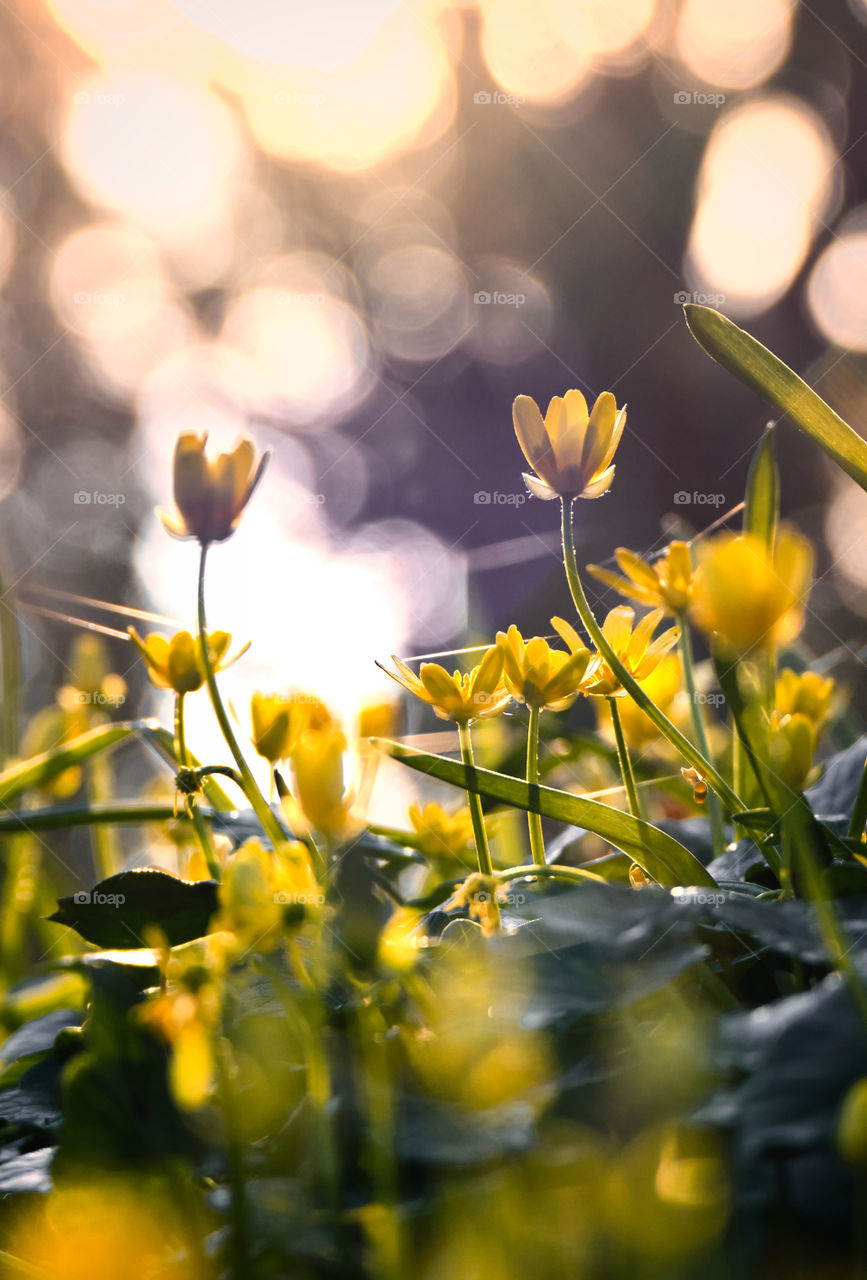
(116, 913)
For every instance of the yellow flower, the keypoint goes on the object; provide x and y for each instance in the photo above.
(570, 450)
(186, 1019)
(443, 834)
(791, 743)
(263, 890)
(663, 686)
(633, 647)
(317, 761)
(538, 675)
(748, 597)
(176, 663)
(378, 719)
(279, 719)
(805, 693)
(210, 496)
(477, 694)
(665, 583)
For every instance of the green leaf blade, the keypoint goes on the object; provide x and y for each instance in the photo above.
(656, 852)
(763, 372)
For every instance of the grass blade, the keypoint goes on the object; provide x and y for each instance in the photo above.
(763, 372)
(657, 853)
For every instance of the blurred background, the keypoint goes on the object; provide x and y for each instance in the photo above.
(357, 230)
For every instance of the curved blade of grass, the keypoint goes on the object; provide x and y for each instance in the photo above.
(657, 853)
(38, 770)
(763, 372)
(762, 498)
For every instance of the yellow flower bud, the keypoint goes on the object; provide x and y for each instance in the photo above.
(748, 597)
(211, 495)
(317, 761)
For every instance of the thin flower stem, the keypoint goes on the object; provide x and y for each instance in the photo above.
(623, 759)
(534, 820)
(10, 654)
(690, 753)
(699, 728)
(202, 830)
(483, 853)
(270, 825)
(859, 813)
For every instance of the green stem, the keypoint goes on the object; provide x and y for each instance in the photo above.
(240, 1243)
(270, 825)
(203, 831)
(10, 656)
(99, 785)
(859, 813)
(699, 728)
(623, 759)
(690, 753)
(534, 820)
(483, 853)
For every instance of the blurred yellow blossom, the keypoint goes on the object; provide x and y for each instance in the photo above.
(479, 693)
(804, 693)
(570, 450)
(632, 644)
(265, 890)
(442, 833)
(378, 719)
(664, 686)
(103, 1230)
(211, 495)
(186, 1018)
(664, 583)
(317, 765)
(749, 597)
(279, 719)
(791, 743)
(542, 677)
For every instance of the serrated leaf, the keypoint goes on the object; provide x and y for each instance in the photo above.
(658, 853)
(763, 372)
(116, 913)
